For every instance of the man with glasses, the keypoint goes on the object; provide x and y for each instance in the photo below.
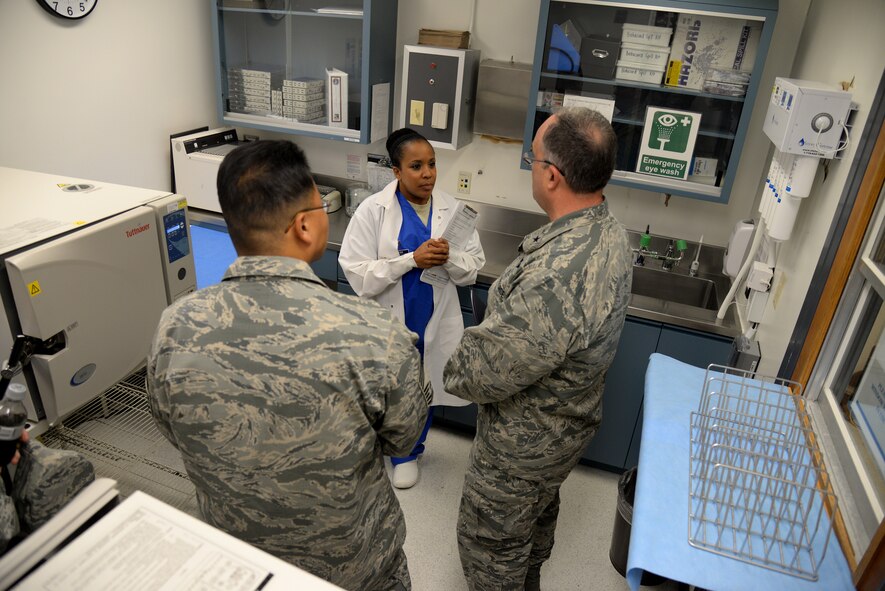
(284, 396)
(536, 364)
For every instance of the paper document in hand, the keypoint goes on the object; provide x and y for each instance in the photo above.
(457, 234)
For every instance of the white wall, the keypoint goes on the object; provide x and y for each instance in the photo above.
(838, 44)
(98, 98)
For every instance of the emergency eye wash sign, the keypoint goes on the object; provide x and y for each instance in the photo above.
(668, 142)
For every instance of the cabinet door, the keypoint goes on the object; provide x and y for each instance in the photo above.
(462, 417)
(327, 268)
(624, 389)
(699, 63)
(306, 67)
(479, 299)
(345, 288)
(694, 348)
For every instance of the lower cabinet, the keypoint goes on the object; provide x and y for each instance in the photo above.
(624, 389)
(689, 346)
(326, 267)
(616, 444)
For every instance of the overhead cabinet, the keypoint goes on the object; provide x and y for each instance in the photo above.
(306, 67)
(677, 80)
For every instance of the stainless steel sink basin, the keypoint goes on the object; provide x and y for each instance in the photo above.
(673, 287)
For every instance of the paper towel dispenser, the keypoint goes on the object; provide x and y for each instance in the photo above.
(502, 96)
(738, 245)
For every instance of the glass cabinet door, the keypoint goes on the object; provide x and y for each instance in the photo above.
(297, 65)
(677, 82)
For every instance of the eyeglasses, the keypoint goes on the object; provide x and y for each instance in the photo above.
(529, 158)
(324, 207)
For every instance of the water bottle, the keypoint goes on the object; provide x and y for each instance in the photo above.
(13, 416)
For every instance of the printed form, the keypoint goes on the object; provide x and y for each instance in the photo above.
(145, 545)
(457, 233)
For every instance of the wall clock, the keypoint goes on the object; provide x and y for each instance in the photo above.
(68, 9)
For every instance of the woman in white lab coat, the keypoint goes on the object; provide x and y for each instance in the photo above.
(392, 238)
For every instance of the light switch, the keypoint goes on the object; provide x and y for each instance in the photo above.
(440, 117)
(416, 113)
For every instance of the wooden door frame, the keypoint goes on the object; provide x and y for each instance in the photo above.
(869, 572)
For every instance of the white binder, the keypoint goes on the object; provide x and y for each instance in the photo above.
(336, 97)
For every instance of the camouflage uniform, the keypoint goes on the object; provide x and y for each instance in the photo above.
(9, 527)
(536, 367)
(45, 480)
(283, 397)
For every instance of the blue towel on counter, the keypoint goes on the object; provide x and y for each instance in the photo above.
(659, 533)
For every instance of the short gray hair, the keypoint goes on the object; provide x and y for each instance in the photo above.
(583, 146)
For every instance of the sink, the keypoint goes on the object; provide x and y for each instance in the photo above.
(672, 287)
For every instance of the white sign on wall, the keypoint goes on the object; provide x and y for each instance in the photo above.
(668, 142)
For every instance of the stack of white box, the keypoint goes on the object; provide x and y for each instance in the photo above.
(249, 90)
(644, 53)
(304, 99)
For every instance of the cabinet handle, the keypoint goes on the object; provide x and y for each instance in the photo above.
(600, 53)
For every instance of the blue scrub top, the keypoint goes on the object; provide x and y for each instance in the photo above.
(417, 295)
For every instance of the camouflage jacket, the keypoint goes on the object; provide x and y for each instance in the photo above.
(536, 364)
(283, 396)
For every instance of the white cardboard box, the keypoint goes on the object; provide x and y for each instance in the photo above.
(703, 43)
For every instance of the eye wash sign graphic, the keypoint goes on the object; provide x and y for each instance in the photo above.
(668, 142)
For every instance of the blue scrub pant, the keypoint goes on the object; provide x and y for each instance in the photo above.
(419, 447)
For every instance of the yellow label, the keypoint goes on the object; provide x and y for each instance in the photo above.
(416, 113)
(671, 78)
(34, 288)
(79, 222)
(62, 185)
(182, 204)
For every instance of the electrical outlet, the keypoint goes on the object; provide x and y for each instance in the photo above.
(464, 182)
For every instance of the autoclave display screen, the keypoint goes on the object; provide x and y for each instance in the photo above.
(176, 235)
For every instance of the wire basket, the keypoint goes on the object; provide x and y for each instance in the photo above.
(757, 489)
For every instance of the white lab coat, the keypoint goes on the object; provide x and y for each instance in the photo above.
(373, 266)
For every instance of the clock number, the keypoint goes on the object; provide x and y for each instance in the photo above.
(68, 9)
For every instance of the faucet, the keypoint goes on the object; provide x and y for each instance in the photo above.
(693, 271)
(667, 263)
(644, 242)
(668, 259)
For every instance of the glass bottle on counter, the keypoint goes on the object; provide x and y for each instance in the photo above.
(354, 195)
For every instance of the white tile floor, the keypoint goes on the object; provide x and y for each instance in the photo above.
(583, 536)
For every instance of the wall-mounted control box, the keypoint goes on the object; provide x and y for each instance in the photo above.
(807, 118)
(438, 93)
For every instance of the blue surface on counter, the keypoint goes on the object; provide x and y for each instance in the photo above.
(213, 254)
(659, 536)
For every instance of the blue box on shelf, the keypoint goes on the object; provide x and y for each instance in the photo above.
(562, 55)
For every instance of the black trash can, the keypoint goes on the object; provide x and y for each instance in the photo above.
(621, 532)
